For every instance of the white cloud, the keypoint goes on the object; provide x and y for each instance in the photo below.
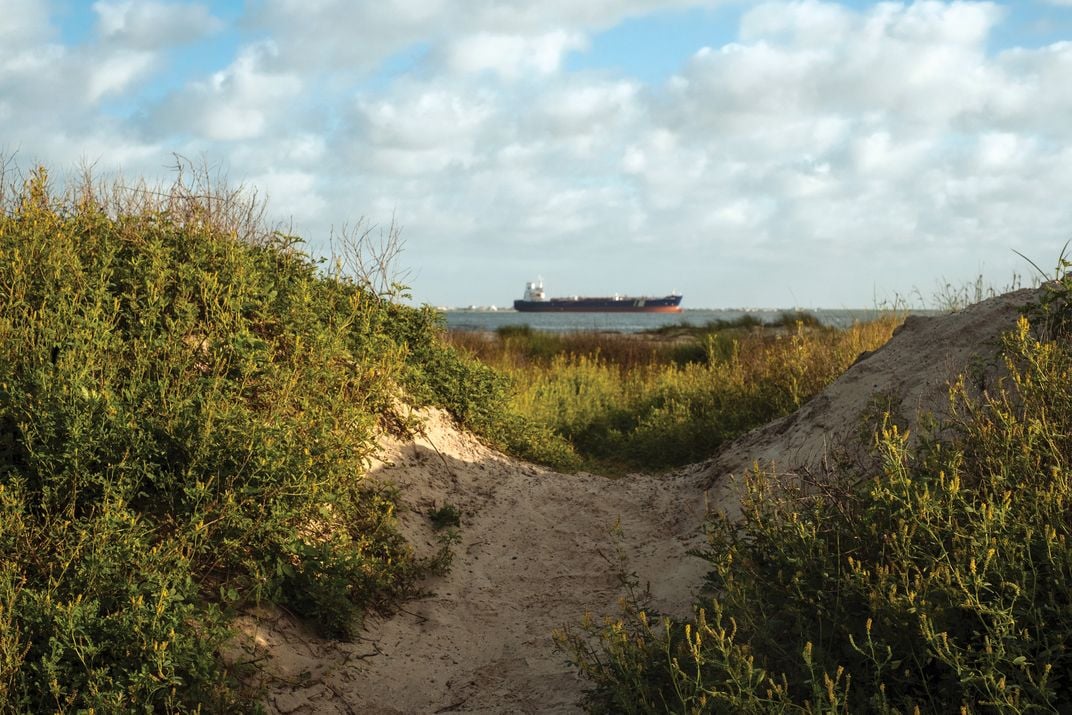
(1001, 152)
(425, 118)
(37, 72)
(115, 73)
(586, 106)
(151, 24)
(420, 130)
(821, 134)
(669, 168)
(512, 56)
(1035, 93)
(804, 23)
(29, 58)
(880, 155)
(924, 61)
(25, 23)
(291, 194)
(825, 148)
(359, 35)
(240, 102)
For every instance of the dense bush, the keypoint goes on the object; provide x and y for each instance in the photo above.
(943, 584)
(185, 419)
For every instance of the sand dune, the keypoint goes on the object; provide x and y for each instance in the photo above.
(537, 548)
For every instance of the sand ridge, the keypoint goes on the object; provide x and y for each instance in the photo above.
(909, 376)
(537, 548)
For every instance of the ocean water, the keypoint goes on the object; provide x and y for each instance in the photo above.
(487, 320)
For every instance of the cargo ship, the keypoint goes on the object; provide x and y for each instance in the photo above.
(536, 302)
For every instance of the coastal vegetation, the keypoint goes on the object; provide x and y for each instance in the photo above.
(189, 402)
(612, 403)
(939, 582)
(187, 406)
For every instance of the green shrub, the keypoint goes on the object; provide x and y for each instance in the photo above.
(942, 584)
(438, 374)
(105, 616)
(1051, 314)
(445, 517)
(185, 422)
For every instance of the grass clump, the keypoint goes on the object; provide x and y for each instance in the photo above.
(786, 319)
(941, 584)
(445, 517)
(186, 410)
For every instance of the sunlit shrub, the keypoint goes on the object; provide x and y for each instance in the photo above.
(187, 409)
(941, 584)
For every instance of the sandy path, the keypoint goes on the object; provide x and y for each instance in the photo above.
(536, 552)
(535, 544)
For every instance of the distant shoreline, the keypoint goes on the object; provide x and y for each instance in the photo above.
(476, 320)
(908, 311)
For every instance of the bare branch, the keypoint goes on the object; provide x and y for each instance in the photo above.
(368, 254)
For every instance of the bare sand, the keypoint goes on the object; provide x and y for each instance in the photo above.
(537, 549)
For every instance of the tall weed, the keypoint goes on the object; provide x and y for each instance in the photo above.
(621, 402)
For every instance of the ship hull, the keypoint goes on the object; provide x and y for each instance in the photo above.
(669, 304)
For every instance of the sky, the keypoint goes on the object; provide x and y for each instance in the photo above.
(745, 154)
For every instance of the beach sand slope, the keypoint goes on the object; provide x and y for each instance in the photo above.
(537, 549)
